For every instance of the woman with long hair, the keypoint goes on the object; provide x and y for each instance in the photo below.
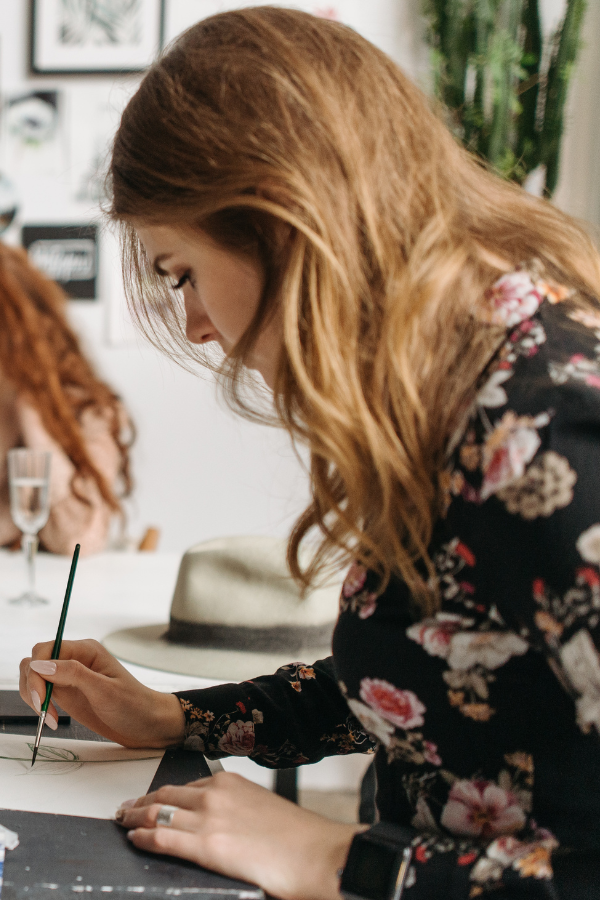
(430, 332)
(53, 400)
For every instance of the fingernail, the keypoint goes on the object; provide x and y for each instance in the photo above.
(130, 834)
(43, 666)
(51, 721)
(120, 813)
(127, 804)
(35, 699)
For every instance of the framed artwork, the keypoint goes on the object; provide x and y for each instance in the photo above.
(87, 37)
(67, 254)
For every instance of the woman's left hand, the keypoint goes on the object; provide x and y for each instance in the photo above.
(232, 826)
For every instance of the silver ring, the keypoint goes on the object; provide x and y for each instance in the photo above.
(165, 815)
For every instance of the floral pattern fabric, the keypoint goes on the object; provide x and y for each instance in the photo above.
(484, 716)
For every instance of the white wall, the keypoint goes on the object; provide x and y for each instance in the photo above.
(578, 191)
(199, 471)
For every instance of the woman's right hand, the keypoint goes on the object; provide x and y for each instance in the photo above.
(96, 690)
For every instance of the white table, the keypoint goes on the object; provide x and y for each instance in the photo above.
(111, 591)
(121, 590)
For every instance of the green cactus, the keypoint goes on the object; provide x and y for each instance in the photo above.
(504, 88)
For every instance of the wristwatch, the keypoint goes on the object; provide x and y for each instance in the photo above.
(377, 864)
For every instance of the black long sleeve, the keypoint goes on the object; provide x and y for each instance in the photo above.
(487, 714)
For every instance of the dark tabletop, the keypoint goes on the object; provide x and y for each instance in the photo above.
(59, 856)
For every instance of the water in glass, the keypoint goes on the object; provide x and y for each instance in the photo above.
(29, 484)
(29, 506)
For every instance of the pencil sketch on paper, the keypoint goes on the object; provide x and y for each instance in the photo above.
(50, 761)
(70, 777)
(100, 22)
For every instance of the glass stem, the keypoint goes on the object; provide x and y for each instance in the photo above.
(29, 544)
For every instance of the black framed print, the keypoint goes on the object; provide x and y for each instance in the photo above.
(67, 254)
(87, 37)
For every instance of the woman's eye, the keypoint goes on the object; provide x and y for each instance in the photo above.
(183, 280)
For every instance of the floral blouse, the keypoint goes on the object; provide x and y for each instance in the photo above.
(484, 717)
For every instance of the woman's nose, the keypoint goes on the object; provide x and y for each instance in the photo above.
(198, 327)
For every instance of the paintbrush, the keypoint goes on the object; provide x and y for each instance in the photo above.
(56, 650)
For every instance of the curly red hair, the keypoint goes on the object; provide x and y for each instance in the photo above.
(42, 357)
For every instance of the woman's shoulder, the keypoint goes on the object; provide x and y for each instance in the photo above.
(550, 356)
(542, 389)
(552, 341)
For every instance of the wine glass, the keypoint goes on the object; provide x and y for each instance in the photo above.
(29, 484)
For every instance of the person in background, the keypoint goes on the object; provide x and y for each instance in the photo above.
(52, 399)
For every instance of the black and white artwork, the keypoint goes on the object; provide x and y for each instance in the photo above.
(67, 254)
(33, 136)
(32, 118)
(94, 36)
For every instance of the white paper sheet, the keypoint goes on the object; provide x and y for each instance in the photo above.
(9, 838)
(75, 778)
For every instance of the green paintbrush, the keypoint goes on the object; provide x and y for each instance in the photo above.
(56, 650)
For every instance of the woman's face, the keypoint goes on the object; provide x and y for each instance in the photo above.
(221, 291)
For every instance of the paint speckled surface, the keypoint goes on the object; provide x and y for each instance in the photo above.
(59, 857)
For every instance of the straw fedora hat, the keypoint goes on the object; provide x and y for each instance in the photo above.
(236, 614)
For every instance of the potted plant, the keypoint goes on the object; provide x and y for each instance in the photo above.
(505, 85)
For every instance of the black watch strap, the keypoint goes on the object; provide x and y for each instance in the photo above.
(378, 863)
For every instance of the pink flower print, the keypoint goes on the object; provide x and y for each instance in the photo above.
(465, 553)
(306, 672)
(354, 581)
(368, 607)
(588, 544)
(589, 319)
(430, 753)
(507, 849)
(511, 300)
(492, 394)
(434, 635)
(371, 722)
(481, 809)
(553, 292)
(238, 740)
(579, 366)
(470, 494)
(588, 576)
(508, 449)
(489, 649)
(402, 708)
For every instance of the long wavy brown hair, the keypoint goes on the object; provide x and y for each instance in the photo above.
(41, 357)
(265, 116)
